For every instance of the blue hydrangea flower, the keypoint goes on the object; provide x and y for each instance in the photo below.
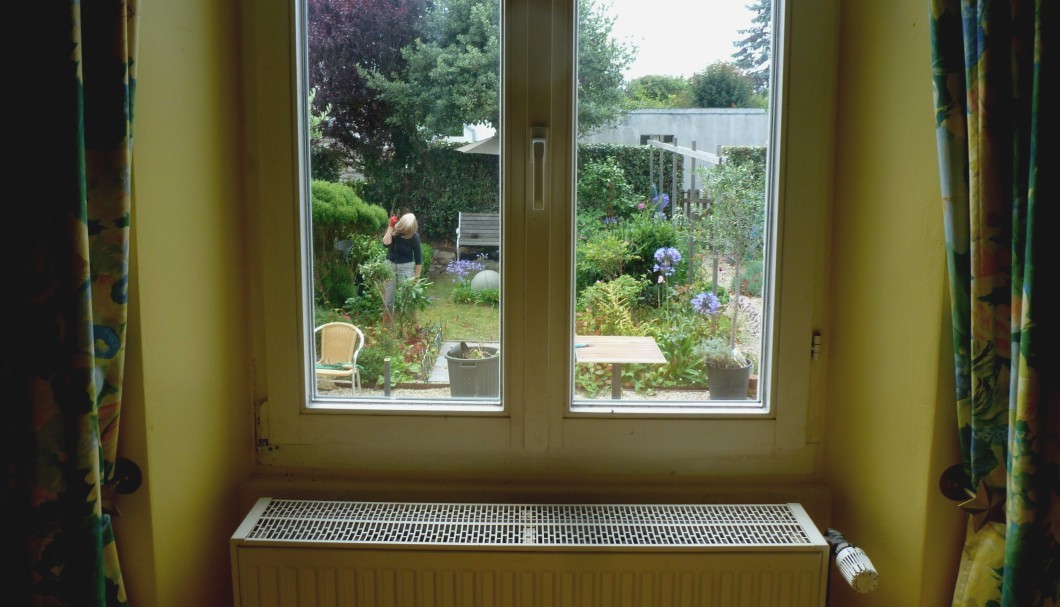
(706, 303)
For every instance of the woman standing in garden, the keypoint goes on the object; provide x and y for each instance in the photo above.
(404, 253)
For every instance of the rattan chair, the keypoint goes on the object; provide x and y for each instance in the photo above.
(340, 344)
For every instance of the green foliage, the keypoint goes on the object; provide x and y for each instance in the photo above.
(601, 63)
(436, 186)
(647, 233)
(410, 298)
(717, 352)
(722, 85)
(338, 214)
(606, 308)
(754, 50)
(603, 190)
(602, 256)
(452, 72)
(376, 273)
(679, 337)
(737, 194)
(751, 278)
(364, 308)
(634, 162)
(738, 200)
(325, 162)
(658, 92)
(443, 182)
(462, 293)
(379, 345)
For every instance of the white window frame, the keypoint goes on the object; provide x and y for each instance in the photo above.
(534, 432)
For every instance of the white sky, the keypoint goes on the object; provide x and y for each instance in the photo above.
(679, 37)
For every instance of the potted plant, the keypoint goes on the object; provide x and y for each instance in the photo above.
(473, 370)
(728, 370)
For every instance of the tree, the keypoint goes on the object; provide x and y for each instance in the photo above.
(601, 62)
(737, 191)
(655, 91)
(721, 84)
(346, 40)
(451, 76)
(754, 50)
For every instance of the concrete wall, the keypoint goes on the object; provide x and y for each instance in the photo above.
(707, 128)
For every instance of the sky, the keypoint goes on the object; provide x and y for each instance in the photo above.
(679, 37)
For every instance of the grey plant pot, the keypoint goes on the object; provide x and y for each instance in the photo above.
(474, 376)
(728, 384)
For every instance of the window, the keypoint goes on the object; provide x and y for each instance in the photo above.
(537, 424)
(644, 139)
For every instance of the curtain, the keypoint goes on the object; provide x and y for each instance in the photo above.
(993, 70)
(70, 279)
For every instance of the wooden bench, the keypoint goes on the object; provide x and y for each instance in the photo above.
(477, 230)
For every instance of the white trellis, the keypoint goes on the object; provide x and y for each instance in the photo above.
(676, 195)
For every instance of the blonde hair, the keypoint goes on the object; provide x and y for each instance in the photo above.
(406, 226)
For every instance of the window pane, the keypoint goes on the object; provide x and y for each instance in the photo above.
(673, 236)
(403, 157)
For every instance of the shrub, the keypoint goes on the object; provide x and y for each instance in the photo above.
(338, 214)
(603, 190)
(722, 84)
(648, 233)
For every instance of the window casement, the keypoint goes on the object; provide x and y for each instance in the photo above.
(536, 428)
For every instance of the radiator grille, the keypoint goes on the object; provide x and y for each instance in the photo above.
(529, 525)
(306, 553)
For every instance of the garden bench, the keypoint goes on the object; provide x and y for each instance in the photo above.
(477, 230)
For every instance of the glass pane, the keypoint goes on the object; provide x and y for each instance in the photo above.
(403, 100)
(674, 101)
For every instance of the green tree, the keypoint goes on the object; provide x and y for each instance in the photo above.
(601, 62)
(451, 75)
(754, 50)
(721, 84)
(654, 91)
(737, 191)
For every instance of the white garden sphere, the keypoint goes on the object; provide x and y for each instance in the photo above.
(486, 279)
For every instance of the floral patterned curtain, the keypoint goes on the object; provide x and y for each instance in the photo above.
(994, 73)
(70, 278)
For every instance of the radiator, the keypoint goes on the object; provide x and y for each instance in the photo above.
(373, 554)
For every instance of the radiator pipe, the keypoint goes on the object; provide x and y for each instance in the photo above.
(853, 564)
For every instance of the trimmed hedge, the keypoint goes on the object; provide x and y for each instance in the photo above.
(338, 214)
(448, 181)
(633, 160)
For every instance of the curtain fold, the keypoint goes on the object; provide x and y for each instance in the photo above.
(69, 322)
(992, 66)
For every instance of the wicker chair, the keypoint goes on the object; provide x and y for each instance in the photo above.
(340, 344)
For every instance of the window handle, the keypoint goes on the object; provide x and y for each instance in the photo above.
(538, 166)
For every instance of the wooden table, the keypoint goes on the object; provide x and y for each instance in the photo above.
(617, 350)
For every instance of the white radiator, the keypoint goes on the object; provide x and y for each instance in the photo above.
(373, 554)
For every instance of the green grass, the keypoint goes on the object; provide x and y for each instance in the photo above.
(460, 321)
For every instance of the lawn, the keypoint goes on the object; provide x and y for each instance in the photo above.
(460, 321)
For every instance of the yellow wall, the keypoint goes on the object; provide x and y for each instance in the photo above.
(889, 430)
(189, 418)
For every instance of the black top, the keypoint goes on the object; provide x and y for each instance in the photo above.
(404, 250)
